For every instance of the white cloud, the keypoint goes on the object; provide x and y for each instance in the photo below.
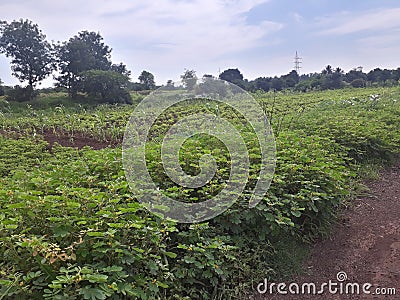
(297, 17)
(183, 29)
(347, 23)
(156, 34)
(389, 38)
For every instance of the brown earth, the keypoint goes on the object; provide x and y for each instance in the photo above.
(76, 140)
(365, 245)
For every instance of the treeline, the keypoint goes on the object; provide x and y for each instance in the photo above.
(82, 66)
(328, 78)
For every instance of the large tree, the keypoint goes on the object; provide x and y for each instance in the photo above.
(83, 52)
(332, 79)
(121, 68)
(146, 79)
(109, 85)
(231, 75)
(234, 76)
(32, 59)
(291, 79)
(189, 79)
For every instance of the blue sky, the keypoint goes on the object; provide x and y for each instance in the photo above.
(260, 37)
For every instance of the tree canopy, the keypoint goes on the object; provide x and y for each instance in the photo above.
(83, 52)
(108, 85)
(189, 78)
(32, 56)
(146, 79)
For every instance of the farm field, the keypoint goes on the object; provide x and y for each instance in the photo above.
(70, 228)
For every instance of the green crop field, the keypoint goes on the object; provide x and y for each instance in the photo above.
(70, 228)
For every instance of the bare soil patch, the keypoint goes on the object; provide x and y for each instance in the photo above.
(365, 245)
(76, 140)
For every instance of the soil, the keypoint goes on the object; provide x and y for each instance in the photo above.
(365, 245)
(76, 140)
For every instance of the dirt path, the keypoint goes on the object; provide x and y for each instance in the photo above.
(366, 245)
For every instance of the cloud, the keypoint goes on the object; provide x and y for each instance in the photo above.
(348, 23)
(154, 34)
(389, 38)
(209, 27)
(297, 17)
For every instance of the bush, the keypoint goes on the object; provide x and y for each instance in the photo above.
(21, 94)
(110, 86)
(358, 83)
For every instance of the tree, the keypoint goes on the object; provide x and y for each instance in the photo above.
(262, 83)
(146, 79)
(121, 68)
(358, 83)
(291, 79)
(83, 52)
(277, 84)
(234, 76)
(170, 84)
(332, 80)
(327, 70)
(355, 74)
(110, 86)
(189, 79)
(32, 57)
(1, 88)
(374, 75)
(211, 86)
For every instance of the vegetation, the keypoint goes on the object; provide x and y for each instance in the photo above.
(189, 78)
(71, 228)
(234, 76)
(32, 57)
(109, 85)
(146, 79)
(327, 79)
(83, 61)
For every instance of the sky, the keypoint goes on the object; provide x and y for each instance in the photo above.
(259, 37)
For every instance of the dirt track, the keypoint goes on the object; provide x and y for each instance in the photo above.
(365, 245)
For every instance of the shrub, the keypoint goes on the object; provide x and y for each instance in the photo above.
(20, 94)
(358, 83)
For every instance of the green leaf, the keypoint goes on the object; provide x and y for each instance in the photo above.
(92, 293)
(170, 254)
(94, 278)
(296, 213)
(95, 233)
(16, 205)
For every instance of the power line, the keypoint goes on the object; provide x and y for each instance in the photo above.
(297, 62)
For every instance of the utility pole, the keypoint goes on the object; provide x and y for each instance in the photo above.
(297, 62)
